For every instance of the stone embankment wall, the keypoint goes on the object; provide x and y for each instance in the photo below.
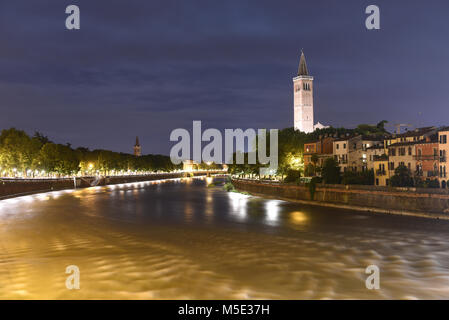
(410, 201)
(17, 187)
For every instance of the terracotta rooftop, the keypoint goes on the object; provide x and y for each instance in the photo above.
(416, 132)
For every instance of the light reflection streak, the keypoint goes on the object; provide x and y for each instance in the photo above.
(272, 210)
(238, 204)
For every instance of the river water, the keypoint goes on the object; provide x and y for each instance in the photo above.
(180, 239)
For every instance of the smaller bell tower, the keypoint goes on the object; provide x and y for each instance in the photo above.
(137, 148)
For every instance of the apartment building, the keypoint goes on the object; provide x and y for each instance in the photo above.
(357, 151)
(374, 152)
(402, 153)
(415, 135)
(381, 172)
(427, 158)
(443, 146)
(341, 152)
(322, 148)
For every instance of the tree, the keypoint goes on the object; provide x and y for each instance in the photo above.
(41, 138)
(309, 170)
(17, 150)
(381, 125)
(402, 177)
(365, 177)
(57, 158)
(330, 171)
(292, 176)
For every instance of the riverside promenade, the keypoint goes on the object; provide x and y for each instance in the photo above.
(424, 202)
(13, 187)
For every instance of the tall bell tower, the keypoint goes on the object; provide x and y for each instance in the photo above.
(303, 98)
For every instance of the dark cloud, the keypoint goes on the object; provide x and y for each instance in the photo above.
(147, 67)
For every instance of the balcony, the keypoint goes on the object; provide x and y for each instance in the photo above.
(380, 172)
(426, 157)
(433, 174)
(382, 157)
(442, 159)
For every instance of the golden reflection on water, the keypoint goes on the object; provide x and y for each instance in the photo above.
(187, 241)
(188, 212)
(298, 218)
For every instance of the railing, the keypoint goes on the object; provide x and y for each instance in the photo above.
(442, 159)
(380, 172)
(37, 179)
(432, 174)
(380, 157)
(426, 157)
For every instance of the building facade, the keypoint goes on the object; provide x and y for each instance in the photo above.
(443, 147)
(381, 172)
(402, 153)
(341, 152)
(427, 159)
(372, 153)
(189, 165)
(315, 153)
(357, 151)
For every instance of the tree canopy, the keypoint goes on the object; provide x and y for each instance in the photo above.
(28, 156)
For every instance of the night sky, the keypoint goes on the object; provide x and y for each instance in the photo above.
(147, 67)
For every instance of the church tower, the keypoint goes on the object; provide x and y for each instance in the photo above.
(303, 98)
(137, 149)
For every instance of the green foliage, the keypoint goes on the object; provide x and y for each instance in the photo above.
(361, 177)
(402, 177)
(291, 148)
(309, 170)
(330, 171)
(29, 154)
(57, 158)
(17, 150)
(432, 183)
(312, 187)
(292, 176)
(229, 187)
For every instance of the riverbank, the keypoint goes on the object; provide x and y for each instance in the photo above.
(430, 203)
(10, 188)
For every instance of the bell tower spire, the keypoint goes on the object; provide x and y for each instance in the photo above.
(302, 69)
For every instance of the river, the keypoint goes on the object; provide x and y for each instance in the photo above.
(181, 239)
